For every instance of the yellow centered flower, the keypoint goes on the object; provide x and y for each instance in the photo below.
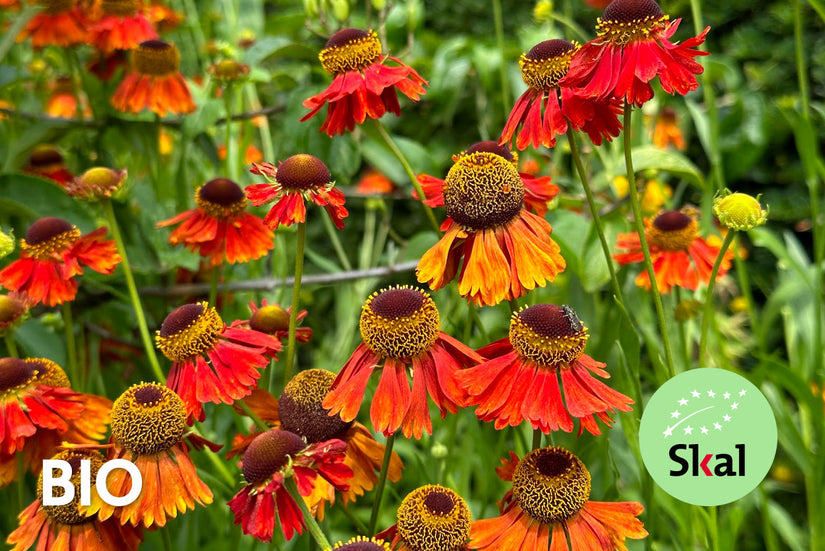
(625, 21)
(96, 182)
(270, 319)
(551, 484)
(300, 409)
(221, 198)
(400, 322)
(673, 230)
(122, 8)
(739, 211)
(148, 418)
(548, 334)
(489, 146)
(229, 70)
(350, 50)
(17, 375)
(269, 453)
(48, 237)
(360, 543)
(303, 172)
(156, 58)
(546, 63)
(189, 331)
(434, 518)
(69, 514)
(483, 190)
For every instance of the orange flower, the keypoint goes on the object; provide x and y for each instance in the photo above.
(47, 161)
(506, 250)
(63, 103)
(211, 362)
(148, 424)
(274, 320)
(64, 527)
(38, 411)
(548, 503)
(155, 84)
(400, 327)
(667, 130)
(680, 257)
(430, 518)
(364, 84)
(300, 177)
(51, 255)
(60, 23)
(521, 380)
(163, 17)
(122, 26)
(219, 228)
(253, 154)
(537, 191)
(374, 183)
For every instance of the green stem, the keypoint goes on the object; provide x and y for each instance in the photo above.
(252, 415)
(514, 307)
(505, 85)
(145, 337)
(213, 286)
(311, 524)
(537, 434)
(216, 461)
(332, 233)
(167, 540)
(296, 296)
(382, 481)
(71, 347)
(408, 169)
(231, 154)
(682, 325)
(708, 311)
(640, 229)
(594, 211)
(21, 480)
(10, 35)
(11, 347)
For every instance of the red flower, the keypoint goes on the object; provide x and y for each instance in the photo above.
(211, 362)
(51, 255)
(680, 257)
(269, 460)
(122, 26)
(219, 228)
(300, 177)
(61, 23)
(634, 47)
(155, 84)
(274, 320)
(364, 84)
(47, 161)
(429, 518)
(400, 327)
(521, 379)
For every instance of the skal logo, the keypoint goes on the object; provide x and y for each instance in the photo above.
(708, 436)
(50, 482)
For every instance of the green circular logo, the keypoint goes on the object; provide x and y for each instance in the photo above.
(708, 436)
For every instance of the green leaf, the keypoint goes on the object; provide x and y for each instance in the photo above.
(787, 528)
(649, 157)
(31, 197)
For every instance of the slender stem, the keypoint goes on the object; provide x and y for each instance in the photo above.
(145, 337)
(167, 540)
(713, 522)
(408, 169)
(537, 434)
(640, 229)
(332, 233)
(312, 525)
(682, 325)
(708, 311)
(296, 296)
(213, 286)
(21, 480)
(505, 85)
(594, 211)
(231, 154)
(382, 481)
(216, 461)
(71, 347)
(252, 415)
(11, 347)
(11, 33)
(513, 305)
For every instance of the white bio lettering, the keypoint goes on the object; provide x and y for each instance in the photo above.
(50, 482)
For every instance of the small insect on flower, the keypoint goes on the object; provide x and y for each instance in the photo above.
(121, 26)
(59, 23)
(65, 527)
(364, 83)
(431, 518)
(51, 256)
(548, 503)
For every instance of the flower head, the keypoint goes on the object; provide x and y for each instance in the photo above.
(364, 83)
(155, 83)
(548, 106)
(121, 26)
(680, 256)
(632, 48)
(739, 211)
(6, 243)
(360, 543)
(228, 71)
(274, 320)
(64, 102)
(51, 256)
(211, 362)
(506, 249)
(667, 132)
(549, 501)
(59, 23)
(47, 161)
(219, 228)
(296, 179)
(431, 518)
(13, 310)
(96, 183)
(400, 326)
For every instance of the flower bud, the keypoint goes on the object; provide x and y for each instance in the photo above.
(739, 211)
(6, 243)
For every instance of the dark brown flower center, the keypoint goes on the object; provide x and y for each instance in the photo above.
(546, 63)
(122, 8)
(45, 229)
(45, 156)
(270, 319)
(673, 230)
(397, 303)
(491, 146)
(15, 373)
(439, 503)
(10, 310)
(54, 7)
(147, 395)
(345, 36)
(434, 518)
(549, 49)
(148, 418)
(402, 325)
(547, 334)
(270, 452)
(156, 58)
(553, 464)
(222, 191)
(188, 331)
(628, 11)
(551, 484)
(303, 172)
(550, 320)
(180, 318)
(350, 50)
(300, 409)
(672, 220)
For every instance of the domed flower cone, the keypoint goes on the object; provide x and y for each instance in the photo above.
(51, 256)
(680, 257)
(269, 460)
(548, 503)
(219, 228)
(505, 249)
(521, 379)
(47, 161)
(60, 23)
(65, 527)
(274, 320)
(431, 518)
(121, 26)
(360, 543)
(632, 48)
(211, 362)
(400, 328)
(364, 83)
(148, 425)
